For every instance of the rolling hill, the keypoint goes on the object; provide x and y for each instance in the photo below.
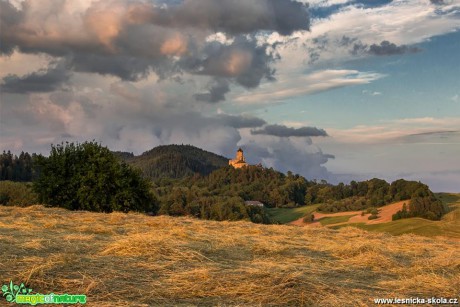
(446, 227)
(174, 161)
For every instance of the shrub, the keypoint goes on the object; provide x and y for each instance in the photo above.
(89, 177)
(17, 194)
(309, 218)
(372, 210)
(373, 217)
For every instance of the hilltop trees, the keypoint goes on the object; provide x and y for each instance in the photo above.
(427, 207)
(88, 176)
(16, 168)
(371, 193)
(174, 161)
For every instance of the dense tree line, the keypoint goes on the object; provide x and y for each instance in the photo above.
(365, 194)
(16, 168)
(221, 194)
(427, 207)
(273, 188)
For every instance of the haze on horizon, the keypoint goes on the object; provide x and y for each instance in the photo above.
(332, 89)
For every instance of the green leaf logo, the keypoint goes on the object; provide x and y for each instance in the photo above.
(10, 291)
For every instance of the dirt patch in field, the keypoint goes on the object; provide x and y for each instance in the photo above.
(385, 216)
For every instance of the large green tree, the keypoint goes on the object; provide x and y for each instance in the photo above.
(88, 176)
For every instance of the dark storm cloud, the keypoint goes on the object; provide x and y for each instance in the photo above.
(285, 156)
(283, 131)
(9, 16)
(437, 2)
(125, 67)
(387, 48)
(44, 80)
(372, 3)
(238, 121)
(216, 93)
(234, 16)
(130, 39)
(243, 60)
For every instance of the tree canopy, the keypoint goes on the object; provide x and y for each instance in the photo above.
(88, 176)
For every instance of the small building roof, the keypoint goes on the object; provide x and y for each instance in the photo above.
(254, 203)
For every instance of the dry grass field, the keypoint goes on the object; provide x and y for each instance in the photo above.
(136, 260)
(385, 216)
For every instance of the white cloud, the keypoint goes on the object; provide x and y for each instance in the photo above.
(416, 130)
(318, 81)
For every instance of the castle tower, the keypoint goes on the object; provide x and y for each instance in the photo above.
(240, 155)
(239, 160)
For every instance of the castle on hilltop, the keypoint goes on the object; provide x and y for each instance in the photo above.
(239, 160)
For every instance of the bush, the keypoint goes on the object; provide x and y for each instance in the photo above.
(17, 194)
(309, 218)
(373, 217)
(372, 210)
(89, 177)
(426, 207)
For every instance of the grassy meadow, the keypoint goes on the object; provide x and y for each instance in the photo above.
(448, 226)
(287, 215)
(334, 220)
(136, 260)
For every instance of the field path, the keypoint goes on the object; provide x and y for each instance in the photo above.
(385, 216)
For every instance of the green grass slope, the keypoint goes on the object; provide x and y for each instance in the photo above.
(287, 215)
(335, 219)
(448, 226)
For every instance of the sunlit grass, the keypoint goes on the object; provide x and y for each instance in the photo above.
(448, 226)
(335, 219)
(136, 260)
(286, 215)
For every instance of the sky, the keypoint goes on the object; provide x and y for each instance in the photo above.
(331, 89)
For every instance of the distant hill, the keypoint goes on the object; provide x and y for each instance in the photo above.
(174, 161)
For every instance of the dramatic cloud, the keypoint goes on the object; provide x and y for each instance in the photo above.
(45, 80)
(243, 62)
(131, 39)
(240, 121)
(318, 81)
(283, 131)
(216, 93)
(9, 16)
(136, 119)
(387, 48)
(298, 155)
(234, 16)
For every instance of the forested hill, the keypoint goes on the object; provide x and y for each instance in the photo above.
(174, 161)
